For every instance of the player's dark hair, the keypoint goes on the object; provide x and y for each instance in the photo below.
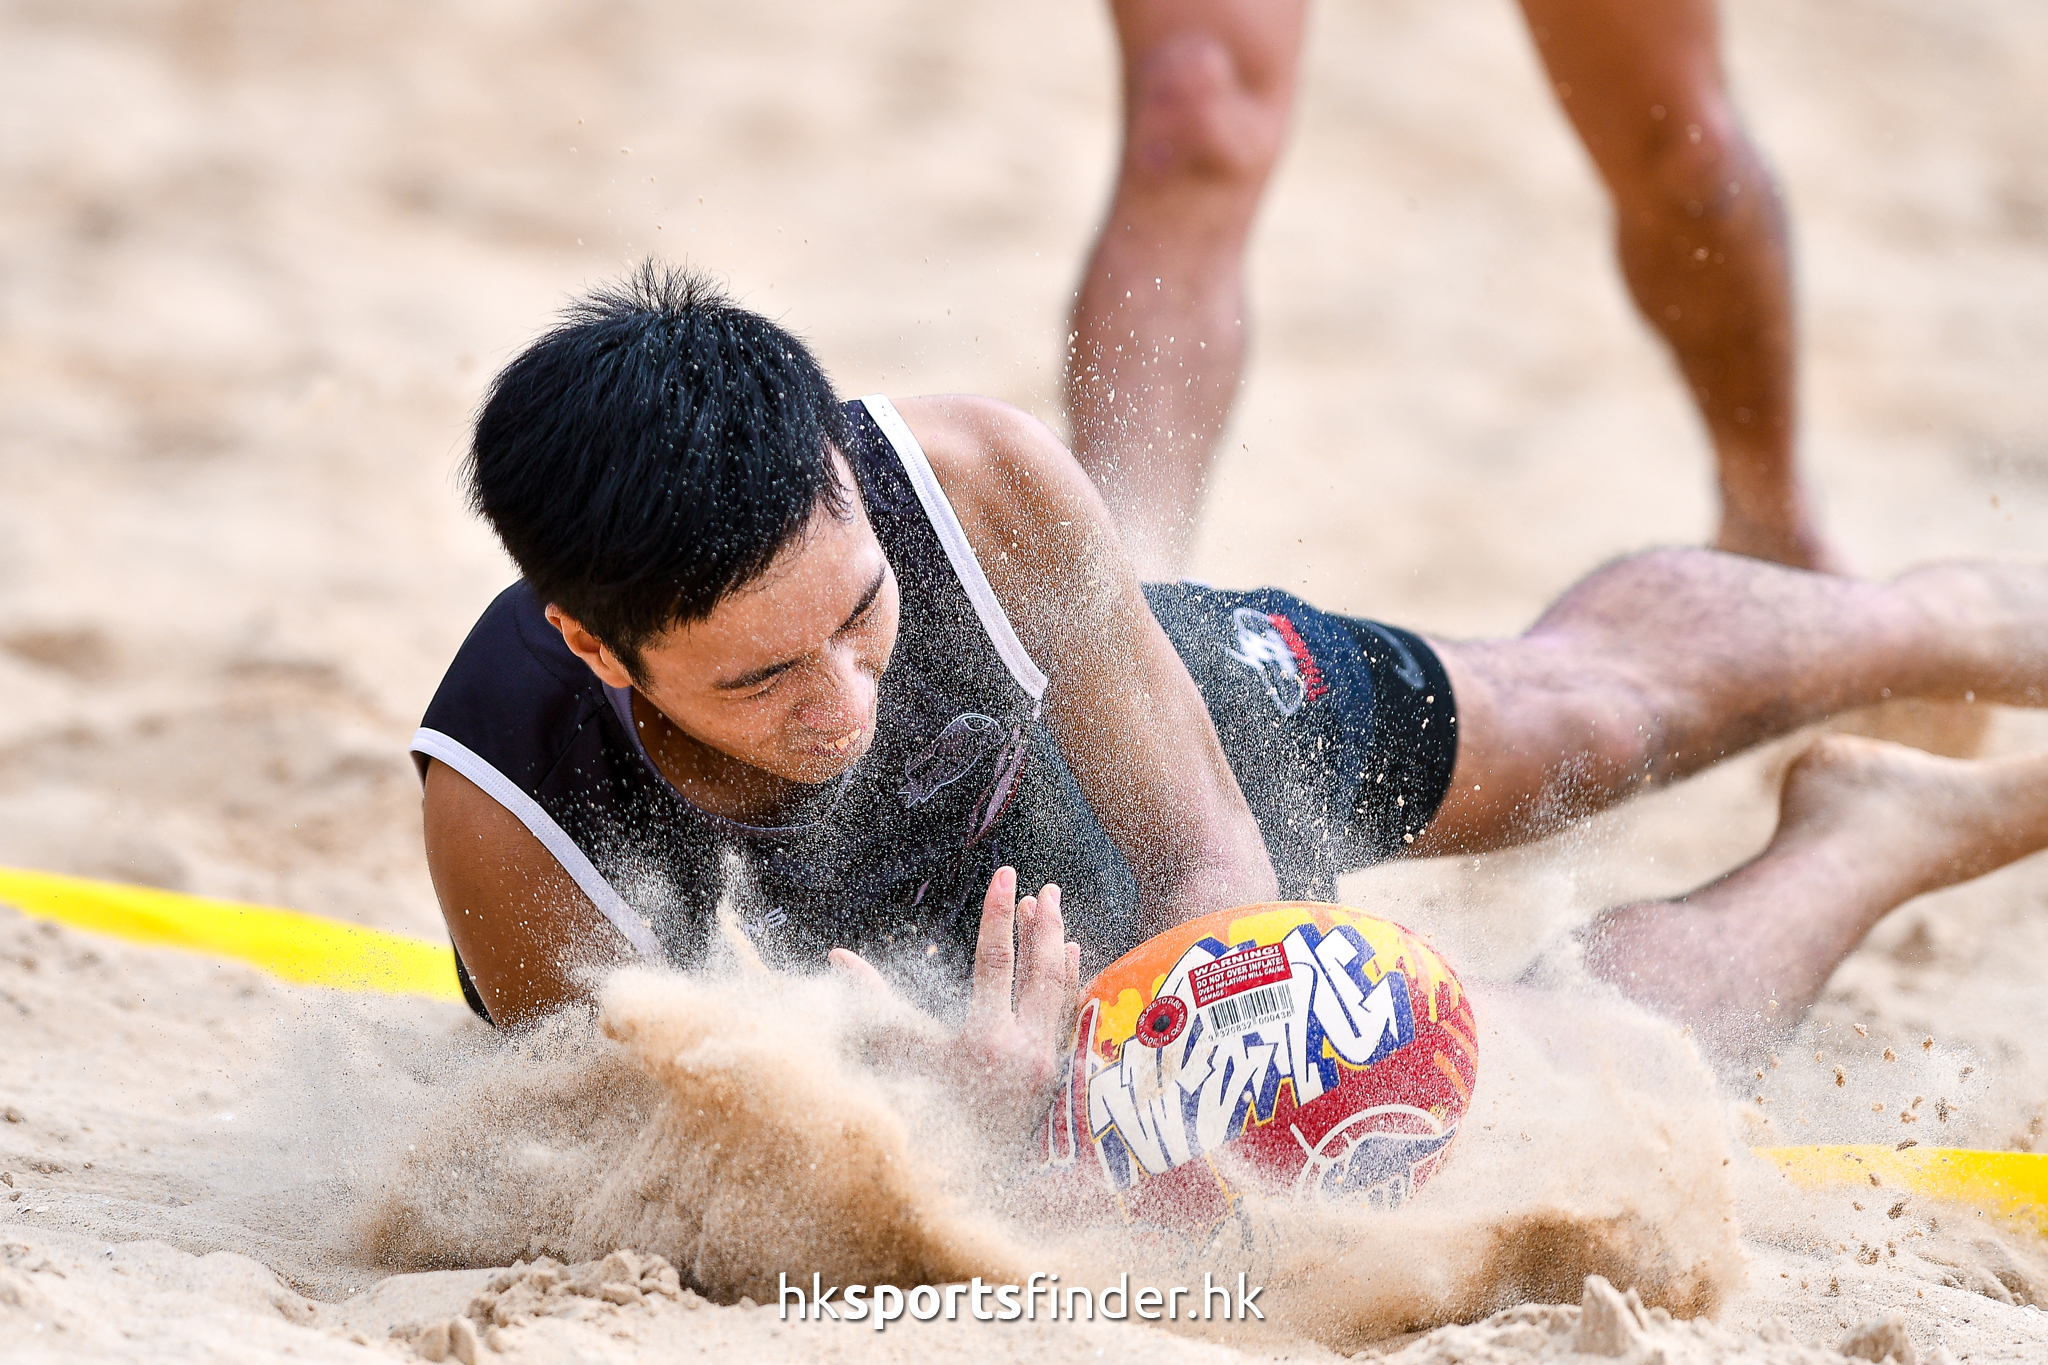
(653, 453)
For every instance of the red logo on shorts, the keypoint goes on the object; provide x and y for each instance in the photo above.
(1303, 660)
(1270, 646)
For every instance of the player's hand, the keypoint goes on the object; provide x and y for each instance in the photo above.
(1005, 1059)
(1026, 976)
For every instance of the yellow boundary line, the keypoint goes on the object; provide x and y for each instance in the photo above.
(308, 950)
(2008, 1185)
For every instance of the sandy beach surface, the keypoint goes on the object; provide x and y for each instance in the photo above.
(256, 264)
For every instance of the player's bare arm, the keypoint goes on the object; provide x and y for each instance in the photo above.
(527, 936)
(1132, 724)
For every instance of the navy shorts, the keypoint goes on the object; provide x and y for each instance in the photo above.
(1342, 732)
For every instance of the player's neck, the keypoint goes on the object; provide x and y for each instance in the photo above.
(713, 781)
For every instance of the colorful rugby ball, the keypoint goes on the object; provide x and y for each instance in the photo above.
(1291, 1048)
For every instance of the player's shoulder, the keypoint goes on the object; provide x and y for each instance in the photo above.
(965, 429)
(988, 453)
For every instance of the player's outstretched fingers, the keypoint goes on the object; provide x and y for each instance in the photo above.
(1042, 993)
(859, 972)
(995, 950)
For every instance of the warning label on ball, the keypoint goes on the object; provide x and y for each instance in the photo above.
(1238, 972)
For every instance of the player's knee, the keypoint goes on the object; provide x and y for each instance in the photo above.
(1194, 116)
(1693, 162)
(1614, 732)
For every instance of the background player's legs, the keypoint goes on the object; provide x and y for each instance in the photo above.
(1701, 235)
(1662, 664)
(1863, 827)
(1158, 327)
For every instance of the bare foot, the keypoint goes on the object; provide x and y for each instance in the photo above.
(1863, 827)
(1912, 821)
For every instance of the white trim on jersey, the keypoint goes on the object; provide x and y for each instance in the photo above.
(506, 793)
(959, 553)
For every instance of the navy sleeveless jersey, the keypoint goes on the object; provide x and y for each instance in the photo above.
(962, 776)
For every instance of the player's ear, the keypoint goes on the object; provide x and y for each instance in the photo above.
(589, 648)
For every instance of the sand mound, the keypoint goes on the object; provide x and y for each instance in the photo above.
(724, 1124)
(733, 1126)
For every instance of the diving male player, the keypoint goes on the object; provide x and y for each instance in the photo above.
(840, 667)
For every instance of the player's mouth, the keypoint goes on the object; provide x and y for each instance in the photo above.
(839, 746)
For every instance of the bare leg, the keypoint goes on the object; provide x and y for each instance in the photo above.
(1701, 235)
(1863, 827)
(1158, 328)
(1662, 664)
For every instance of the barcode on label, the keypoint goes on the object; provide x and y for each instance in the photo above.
(1249, 1009)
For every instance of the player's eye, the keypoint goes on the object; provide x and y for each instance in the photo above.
(762, 688)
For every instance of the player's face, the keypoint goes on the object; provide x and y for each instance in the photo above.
(782, 675)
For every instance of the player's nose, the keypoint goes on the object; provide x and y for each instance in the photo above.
(846, 699)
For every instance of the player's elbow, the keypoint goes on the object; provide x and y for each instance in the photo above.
(1211, 865)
